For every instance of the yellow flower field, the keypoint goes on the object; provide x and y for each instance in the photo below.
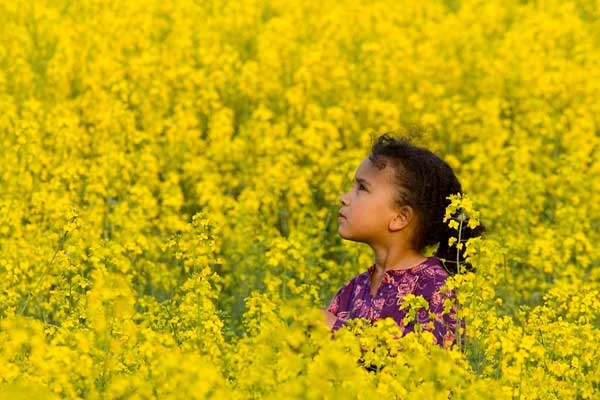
(171, 173)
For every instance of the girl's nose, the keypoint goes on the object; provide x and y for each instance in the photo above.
(344, 199)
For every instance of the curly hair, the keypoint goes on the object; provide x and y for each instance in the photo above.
(424, 182)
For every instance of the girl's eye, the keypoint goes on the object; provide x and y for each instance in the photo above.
(361, 187)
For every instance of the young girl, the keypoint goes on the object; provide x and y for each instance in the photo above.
(397, 206)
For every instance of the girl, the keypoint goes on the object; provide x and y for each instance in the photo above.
(397, 206)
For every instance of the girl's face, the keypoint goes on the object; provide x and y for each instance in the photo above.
(368, 207)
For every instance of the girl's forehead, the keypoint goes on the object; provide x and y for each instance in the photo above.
(371, 171)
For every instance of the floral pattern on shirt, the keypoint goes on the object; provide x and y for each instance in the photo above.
(354, 300)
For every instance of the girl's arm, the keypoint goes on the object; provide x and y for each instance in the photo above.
(439, 321)
(337, 311)
(329, 318)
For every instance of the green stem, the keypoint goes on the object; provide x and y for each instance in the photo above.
(458, 323)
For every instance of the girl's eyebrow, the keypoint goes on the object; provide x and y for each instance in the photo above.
(361, 181)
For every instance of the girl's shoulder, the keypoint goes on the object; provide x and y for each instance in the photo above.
(358, 280)
(430, 269)
(433, 277)
(434, 269)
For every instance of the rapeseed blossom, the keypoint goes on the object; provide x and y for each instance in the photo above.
(170, 178)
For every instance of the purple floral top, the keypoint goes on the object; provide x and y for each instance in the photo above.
(354, 300)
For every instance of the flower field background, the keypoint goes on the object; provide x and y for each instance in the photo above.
(170, 181)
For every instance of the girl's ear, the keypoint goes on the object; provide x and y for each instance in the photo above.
(402, 218)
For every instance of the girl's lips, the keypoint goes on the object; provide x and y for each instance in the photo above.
(340, 215)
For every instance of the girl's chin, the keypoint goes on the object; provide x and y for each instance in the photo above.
(343, 234)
